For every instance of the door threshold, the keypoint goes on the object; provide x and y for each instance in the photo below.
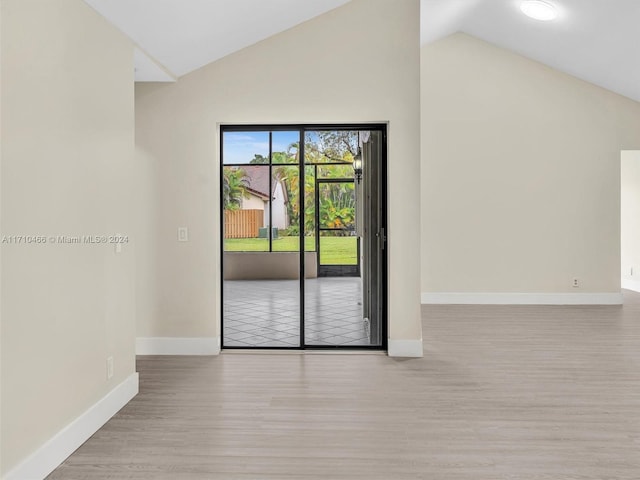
(275, 351)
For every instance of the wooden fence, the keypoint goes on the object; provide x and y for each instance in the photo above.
(242, 223)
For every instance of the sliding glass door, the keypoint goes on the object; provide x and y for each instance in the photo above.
(297, 237)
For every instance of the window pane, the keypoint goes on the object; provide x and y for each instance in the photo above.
(335, 171)
(246, 208)
(245, 147)
(284, 147)
(337, 202)
(330, 146)
(309, 209)
(285, 208)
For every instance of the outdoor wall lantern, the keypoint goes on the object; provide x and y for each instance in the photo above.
(357, 166)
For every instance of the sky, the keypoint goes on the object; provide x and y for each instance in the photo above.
(241, 147)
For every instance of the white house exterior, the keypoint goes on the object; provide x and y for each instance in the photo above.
(258, 196)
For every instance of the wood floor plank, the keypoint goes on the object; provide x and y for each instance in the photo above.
(503, 392)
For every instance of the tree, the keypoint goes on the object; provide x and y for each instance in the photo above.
(331, 146)
(259, 159)
(337, 205)
(234, 188)
(291, 180)
(337, 200)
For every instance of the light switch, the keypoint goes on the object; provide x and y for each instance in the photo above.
(183, 234)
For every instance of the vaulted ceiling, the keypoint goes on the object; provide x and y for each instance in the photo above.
(595, 40)
(175, 37)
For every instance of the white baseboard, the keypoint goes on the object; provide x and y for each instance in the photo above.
(177, 346)
(522, 298)
(630, 284)
(45, 460)
(405, 348)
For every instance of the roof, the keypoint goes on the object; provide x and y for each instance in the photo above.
(259, 181)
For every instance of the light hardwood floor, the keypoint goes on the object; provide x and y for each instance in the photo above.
(503, 392)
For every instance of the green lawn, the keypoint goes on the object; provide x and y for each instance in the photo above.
(333, 250)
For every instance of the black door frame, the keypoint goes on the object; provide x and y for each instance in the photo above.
(303, 128)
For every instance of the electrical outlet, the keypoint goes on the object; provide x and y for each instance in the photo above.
(109, 367)
(631, 271)
(576, 283)
(183, 234)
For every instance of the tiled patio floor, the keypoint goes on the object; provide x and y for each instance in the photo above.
(266, 313)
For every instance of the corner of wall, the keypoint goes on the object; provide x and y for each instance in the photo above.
(46, 458)
(405, 348)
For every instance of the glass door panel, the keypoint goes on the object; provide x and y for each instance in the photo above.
(261, 260)
(333, 297)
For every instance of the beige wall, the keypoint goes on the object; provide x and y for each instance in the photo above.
(358, 63)
(520, 173)
(630, 218)
(67, 147)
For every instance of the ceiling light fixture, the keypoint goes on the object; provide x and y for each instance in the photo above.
(539, 10)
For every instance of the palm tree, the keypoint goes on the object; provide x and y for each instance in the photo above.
(234, 188)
